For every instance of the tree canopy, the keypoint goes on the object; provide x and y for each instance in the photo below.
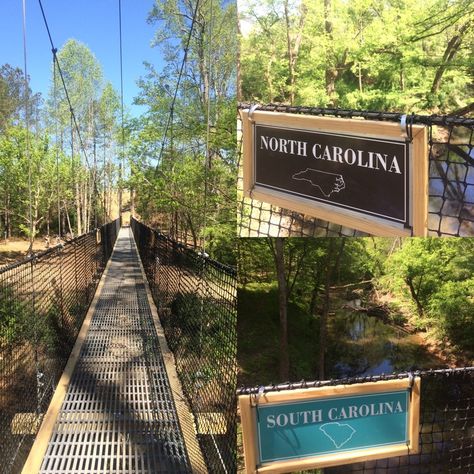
(361, 54)
(306, 293)
(183, 151)
(58, 158)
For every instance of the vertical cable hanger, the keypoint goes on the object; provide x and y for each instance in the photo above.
(39, 374)
(207, 163)
(121, 110)
(73, 166)
(27, 123)
(106, 215)
(55, 100)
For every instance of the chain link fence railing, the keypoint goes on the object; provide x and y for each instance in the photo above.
(446, 432)
(43, 302)
(196, 301)
(451, 180)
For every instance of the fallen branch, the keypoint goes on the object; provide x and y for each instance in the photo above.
(351, 285)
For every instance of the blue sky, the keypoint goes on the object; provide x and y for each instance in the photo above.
(94, 23)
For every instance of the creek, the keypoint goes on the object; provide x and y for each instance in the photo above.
(360, 345)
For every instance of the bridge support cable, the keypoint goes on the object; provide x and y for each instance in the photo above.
(175, 95)
(74, 122)
(122, 158)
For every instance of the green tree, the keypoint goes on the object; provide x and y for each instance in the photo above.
(16, 164)
(420, 268)
(89, 96)
(359, 54)
(188, 187)
(13, 97)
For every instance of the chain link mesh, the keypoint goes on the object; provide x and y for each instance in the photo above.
(43, 302)
(451, 180)
(446, 432)
(196, 301)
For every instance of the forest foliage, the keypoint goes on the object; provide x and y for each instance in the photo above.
(358, 54)
(421, 285)
(64, 169)
(183, 151)
(178, 158)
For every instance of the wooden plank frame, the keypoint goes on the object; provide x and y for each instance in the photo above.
(418, 171)
(247, 408)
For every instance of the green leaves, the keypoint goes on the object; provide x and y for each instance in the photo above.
(436, 276)
(361, 54)
(191, 190)
(425, 282)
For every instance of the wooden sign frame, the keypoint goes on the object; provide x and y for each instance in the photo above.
(247, 406)
(418, 171)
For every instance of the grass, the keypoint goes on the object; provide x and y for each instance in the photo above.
(258, 337)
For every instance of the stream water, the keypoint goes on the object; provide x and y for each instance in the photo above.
(365, 345)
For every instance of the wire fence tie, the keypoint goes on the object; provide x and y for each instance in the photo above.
(411, 381)
(406, 125)
(256, 396)
(252, 109)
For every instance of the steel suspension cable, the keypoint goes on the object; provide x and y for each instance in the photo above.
(185, 56)
(55, 100)
(71, 110)
(27, 123)
(121, 110)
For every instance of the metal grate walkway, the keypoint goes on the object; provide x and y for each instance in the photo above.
(118, 415)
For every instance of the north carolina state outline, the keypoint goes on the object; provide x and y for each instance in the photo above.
(327, 183)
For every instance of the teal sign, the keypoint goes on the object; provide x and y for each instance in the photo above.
(332, 425)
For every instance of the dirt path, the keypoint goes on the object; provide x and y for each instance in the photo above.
(16, 248)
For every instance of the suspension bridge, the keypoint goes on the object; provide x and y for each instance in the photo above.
(123, 402)
(119, 412)
(91, 379)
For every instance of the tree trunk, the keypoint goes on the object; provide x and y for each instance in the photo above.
(175, 224)
(68, 220)
(293, 49)
(331, 270)
(120, 197)
(94, 196)
(269, 77)
(331, 72)
(451, 49)
(203, 66)
(84, 205)
(239, 73)
(63, 224)
(8, 227)
(132, 201)
(283, 308)
(414, 295)
(78, 209)
(105, 184)
(323, 322)
(291, 72)
(193, 232)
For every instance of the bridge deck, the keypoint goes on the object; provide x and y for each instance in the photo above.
(119, 414)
